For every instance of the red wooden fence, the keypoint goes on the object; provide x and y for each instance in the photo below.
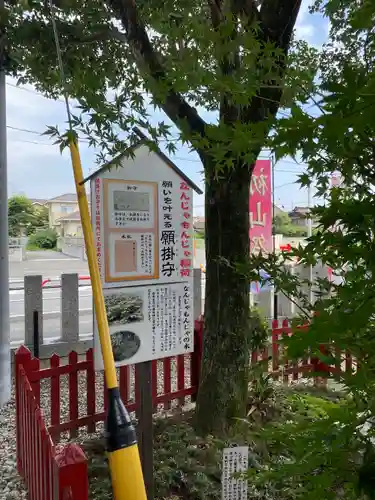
(50, 472)
(35, 448)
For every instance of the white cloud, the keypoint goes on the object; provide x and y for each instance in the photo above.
(304, 28)
(305, 31)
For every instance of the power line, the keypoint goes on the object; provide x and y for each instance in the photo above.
(283, 185)
(35, 132)
(24, 130)
(32, 91)
(31, 142)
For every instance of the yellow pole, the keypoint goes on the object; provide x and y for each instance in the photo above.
(122, 447)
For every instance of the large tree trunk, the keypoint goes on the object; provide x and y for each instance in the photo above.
(224, 379)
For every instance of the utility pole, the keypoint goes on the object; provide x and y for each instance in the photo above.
(5, 376)
(309, 233)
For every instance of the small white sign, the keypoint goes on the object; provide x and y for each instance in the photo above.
(235, 460)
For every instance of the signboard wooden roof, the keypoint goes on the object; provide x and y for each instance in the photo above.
(143, 140)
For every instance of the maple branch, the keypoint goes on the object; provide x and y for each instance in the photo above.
(148, 62)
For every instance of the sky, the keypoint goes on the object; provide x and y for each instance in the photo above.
(38, 170)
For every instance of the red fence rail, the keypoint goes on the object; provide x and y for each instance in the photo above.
(185, 367)
(50, 472)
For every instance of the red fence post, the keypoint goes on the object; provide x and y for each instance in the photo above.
(196, 356)
(22, 357)
(55, 396)
(90, 390)
(285, 334)
(73, 391)
(72, 473)
(275, 349)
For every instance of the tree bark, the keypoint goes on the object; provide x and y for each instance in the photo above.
(224, 378)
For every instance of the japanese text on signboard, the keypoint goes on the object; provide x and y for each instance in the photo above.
(260, 208)
(98, 237)
(168, 233)
(186, 208)
(235, 460)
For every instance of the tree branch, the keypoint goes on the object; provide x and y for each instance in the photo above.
(216, 13)
(278, 18)
(148, 61)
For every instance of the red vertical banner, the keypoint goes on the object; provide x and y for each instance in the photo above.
(260, 208)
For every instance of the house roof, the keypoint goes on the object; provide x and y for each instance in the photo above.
(66, 198)
(302, 210)
(143, 140)
(39, 201)
(74, 216)
(299, 212)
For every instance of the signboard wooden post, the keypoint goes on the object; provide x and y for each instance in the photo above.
(142, 215)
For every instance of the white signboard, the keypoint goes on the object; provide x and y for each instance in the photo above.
(235, 460)
(142, 214)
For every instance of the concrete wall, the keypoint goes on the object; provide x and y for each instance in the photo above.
(72, 228)
(16, 253)
(74, 247)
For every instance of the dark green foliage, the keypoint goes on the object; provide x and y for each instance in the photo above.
(282, 224)
(259, 331)
(188, 467)
(21, 217)
(43, 239)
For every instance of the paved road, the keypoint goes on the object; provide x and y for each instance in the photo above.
(51, 328)
(48, 268)
(51, 300)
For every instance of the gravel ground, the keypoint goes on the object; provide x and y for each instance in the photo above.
(11, 485)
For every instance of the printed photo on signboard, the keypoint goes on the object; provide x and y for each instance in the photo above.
(133, 201)
(131, 256)
(149, 322)
(124, 309)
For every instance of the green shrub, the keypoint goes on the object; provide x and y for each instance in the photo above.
(259, 330)
(43, 239)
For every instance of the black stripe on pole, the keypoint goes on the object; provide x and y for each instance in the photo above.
(120, 432)
(36, 334)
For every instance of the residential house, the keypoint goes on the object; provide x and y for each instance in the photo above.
(59, 207)
(38, 202)
(299, 216)
(198, 224)
(70, 225)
